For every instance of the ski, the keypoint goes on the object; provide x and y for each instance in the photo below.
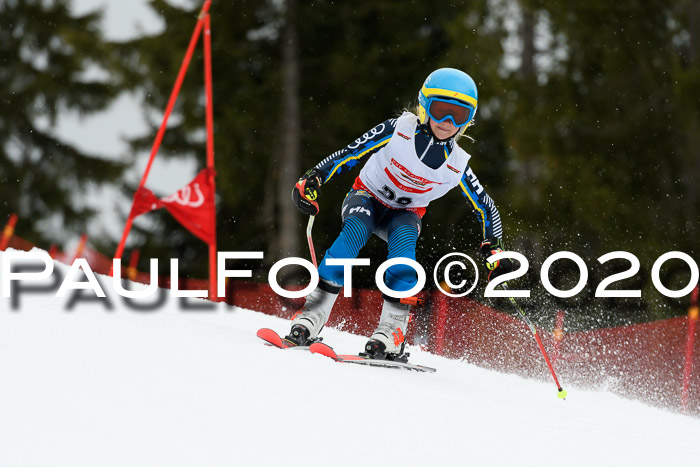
(327, 351)
(274, 339)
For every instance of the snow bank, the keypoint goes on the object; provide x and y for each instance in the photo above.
(94, 386)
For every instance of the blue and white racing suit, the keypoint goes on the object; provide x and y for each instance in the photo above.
(391, 193)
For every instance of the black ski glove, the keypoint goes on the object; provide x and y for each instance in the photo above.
(306, 192)
(491, 246)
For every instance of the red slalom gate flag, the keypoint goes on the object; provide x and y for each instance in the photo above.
(192, 205)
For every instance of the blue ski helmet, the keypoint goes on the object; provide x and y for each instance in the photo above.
(447, 88)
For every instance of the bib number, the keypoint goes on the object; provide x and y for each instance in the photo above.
(389, 194)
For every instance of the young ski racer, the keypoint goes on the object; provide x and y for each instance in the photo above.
(410, 161)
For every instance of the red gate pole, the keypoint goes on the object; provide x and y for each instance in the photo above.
(210, 147)
(690, 344)
(171, 103)
(8, 232)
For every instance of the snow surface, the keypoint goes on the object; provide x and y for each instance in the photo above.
(169, 387)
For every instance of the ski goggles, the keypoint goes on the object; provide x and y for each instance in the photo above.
(440, 110)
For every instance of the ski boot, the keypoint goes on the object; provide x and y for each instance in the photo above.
(388, 340)
(300, 334)
(308, 322)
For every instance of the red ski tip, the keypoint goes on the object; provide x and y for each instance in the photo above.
(270, 336)
(323, 349)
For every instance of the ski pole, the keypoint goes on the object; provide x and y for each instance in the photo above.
(310, 226)
(562, 393)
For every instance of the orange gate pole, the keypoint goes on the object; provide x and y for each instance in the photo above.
(8, 232)
(690, 345)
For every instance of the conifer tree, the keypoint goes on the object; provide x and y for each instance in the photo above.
(47, 58)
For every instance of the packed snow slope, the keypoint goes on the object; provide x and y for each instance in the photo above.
(92, 386)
